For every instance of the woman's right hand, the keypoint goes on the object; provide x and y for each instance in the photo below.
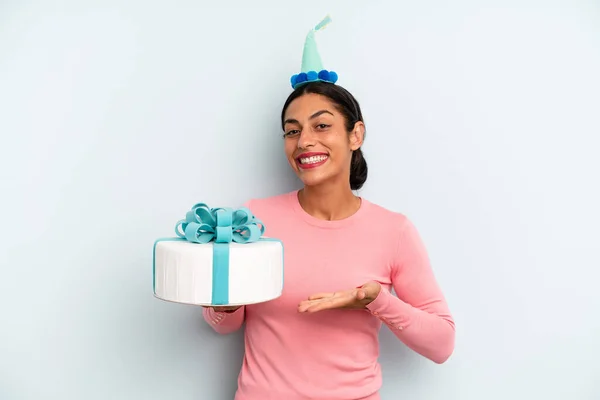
(226, 309)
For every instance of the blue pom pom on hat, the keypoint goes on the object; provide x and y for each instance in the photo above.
(312, 67)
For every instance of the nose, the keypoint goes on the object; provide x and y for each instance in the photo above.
(307, 139)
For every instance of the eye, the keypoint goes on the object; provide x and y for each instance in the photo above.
(323, 126)
(291, 132)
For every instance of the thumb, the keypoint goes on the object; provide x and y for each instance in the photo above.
(361, 294)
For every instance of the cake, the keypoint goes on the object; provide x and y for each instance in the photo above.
(219, 257)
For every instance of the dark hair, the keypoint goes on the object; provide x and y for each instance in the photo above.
(348, 106)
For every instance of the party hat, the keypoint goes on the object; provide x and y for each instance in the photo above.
(312, 66)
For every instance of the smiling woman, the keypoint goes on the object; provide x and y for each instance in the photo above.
(343, 256)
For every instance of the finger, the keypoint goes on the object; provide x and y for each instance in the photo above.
(325, 304)
(304, 305)
(223, 308)
(317, 296)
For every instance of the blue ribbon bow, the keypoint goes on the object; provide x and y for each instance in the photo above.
(203, 224)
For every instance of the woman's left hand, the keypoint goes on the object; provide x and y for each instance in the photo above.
(356, 298)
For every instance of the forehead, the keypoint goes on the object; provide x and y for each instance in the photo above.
(308, 104)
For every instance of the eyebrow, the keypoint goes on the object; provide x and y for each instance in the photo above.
(315, 115)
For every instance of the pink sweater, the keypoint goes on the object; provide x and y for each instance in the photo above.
(333, 354)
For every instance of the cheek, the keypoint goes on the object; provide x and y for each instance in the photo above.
(339, 145)
(289, 148)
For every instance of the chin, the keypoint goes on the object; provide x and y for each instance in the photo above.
(312, 179)
(311, 182)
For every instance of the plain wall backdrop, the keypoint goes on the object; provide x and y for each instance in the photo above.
(483, 126)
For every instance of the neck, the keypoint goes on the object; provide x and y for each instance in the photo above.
(329, 203)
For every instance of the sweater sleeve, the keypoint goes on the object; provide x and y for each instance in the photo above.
(223, 322)
(419, 316)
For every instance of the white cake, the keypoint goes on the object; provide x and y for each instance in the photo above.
(248, 273)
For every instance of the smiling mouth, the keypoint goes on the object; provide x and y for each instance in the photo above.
(312, 159)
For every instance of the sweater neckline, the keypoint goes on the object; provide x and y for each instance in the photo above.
(322, 223)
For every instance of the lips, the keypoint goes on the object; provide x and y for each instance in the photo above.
(311, 160)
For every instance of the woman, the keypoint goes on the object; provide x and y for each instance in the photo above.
(343, 255)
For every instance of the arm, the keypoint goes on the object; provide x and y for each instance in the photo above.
(419, 316)
(224, 322)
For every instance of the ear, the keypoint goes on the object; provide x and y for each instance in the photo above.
(357, 136)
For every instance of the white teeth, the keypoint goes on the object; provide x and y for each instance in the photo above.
(312, 160)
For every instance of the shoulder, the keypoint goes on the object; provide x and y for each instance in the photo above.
(270, 204)
(385, 217)
(399, 229)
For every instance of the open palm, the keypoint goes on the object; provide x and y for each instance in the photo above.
(356, 298)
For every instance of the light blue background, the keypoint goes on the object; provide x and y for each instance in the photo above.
(116, 117)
